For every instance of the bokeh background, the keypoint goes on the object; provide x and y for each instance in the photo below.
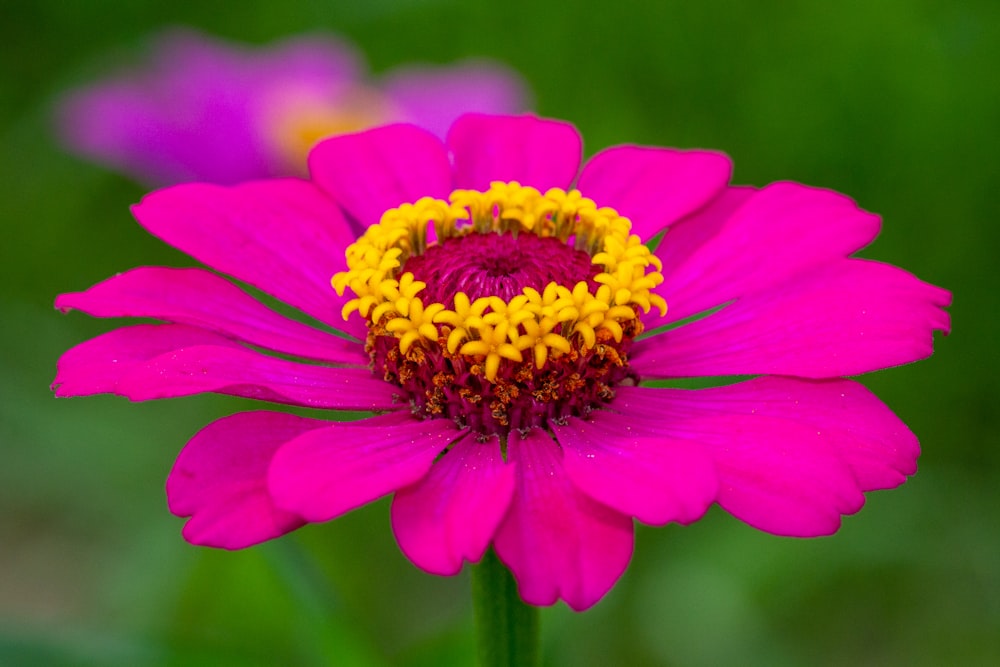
(894, 102)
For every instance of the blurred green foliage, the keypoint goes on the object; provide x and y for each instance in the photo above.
(894, 102)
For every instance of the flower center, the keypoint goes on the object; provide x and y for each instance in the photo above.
(296, 120)
(502, 265)
(519, 311)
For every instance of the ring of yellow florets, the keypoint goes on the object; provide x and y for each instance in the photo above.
(542, 324)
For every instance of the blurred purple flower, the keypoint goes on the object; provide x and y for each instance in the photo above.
(202, 109)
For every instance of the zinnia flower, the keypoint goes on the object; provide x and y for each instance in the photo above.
(205, 110)
(511, 334)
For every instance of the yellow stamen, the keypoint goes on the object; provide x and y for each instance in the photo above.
(489, 329)
(492, 345)
(415, 322)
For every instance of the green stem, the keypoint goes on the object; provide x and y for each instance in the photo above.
(506, 628)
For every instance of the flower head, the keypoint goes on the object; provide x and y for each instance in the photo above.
(202, 109)
(504, 319)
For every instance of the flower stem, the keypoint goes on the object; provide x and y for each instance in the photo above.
(506, 627)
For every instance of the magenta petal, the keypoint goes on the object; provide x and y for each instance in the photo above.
(327, 472)
(772, 477)
(533, 151)
(874, 442)
(433, 97)
(244, 231)
(792, 455)
(371, 172)
(451, 515)
(846, 318)
(558, 542)
(777, 233)
(220, 480)
(199, 298)
(98, 365)
(241, 372)
(776, 475)
(685, 239)
(654, 187)
(656, 480)
(147, 362)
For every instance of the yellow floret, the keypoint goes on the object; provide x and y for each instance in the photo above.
(492, 345)
(415, 324)
(491, 329)
(538, 337)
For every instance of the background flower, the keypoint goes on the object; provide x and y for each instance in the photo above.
(203, 109)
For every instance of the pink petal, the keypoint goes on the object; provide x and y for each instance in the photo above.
(327, 472)
(433, 97)
(451, 515)
(285, 237)
(220, 480)
(844, 318)
(654, 187)
(370, 172)
(557, 541)
(874, 442)
(792, 455)
(98, 365)
(779, 232)
(533, 151)
(685, 239)
(202, 299)
(656, 480)
(147, 362)
(775, 478)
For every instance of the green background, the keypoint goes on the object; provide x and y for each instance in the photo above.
(895, 103)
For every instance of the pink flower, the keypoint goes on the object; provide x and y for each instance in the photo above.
(207, 110)
(510, 372)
